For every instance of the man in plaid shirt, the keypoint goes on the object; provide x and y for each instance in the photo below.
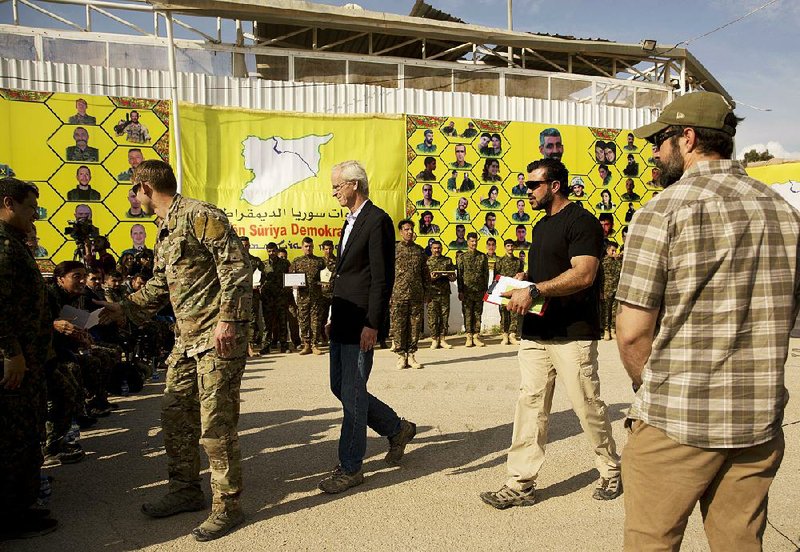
(708, 295)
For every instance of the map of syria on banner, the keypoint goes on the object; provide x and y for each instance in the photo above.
(271, 171)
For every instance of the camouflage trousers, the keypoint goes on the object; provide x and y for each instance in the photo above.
(439, 315)
(406, 319)
(292, 320)
(201, 404)
(308, 315)
(256, 333)
(472, 308)
(22, 414)
(66, 399)
(608, 313)
(276, 309)
(509, 321)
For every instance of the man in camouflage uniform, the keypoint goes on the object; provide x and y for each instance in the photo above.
(274, 301)
(612, 267)
(82, 151)
(438, 295)
(408, 295)
(308, 297)
(326, 294)
(257, 323)
(81, 117)
(136, 131)
(24, 344)
(473, 279)
(203, 270)
(508, 266)
(291, 311)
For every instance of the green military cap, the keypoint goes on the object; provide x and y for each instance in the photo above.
(698, 109)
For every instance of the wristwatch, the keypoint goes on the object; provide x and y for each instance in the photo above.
(534, 291)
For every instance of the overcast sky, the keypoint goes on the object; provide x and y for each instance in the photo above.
(757, 59)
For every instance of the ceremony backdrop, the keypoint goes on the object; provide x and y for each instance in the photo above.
(43, 139)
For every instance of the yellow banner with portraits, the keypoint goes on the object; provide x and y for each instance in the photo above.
(271, 171)
(80, 150)
(468, 175)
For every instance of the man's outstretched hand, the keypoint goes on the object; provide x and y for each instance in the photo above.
(111, 313)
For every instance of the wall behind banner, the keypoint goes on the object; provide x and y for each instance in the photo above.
(474, 171)
(270, 171)
(40, 143)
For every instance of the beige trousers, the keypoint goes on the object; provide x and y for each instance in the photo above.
(575, 362)
(664, 479)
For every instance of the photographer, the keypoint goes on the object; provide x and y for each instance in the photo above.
(97, 256)
(83, 232)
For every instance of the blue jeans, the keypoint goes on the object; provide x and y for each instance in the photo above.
(350, 368)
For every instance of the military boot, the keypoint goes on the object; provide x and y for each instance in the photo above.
(175, 502)
(504, 340)
(476, 339)
(444, 344)
(317, 351)
(434, 343)
(512, 338)
(469, 342)
(306, 350)
(218, 524)
(413, 362)
(401, 361)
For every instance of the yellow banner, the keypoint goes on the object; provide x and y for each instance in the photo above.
(270, 172)
(79, 150)
(472, 172)
(784, 178)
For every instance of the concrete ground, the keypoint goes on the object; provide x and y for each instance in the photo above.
(463, 404)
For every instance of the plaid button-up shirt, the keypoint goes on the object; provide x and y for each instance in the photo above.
(717, 254)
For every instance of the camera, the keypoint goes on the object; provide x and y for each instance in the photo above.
(81, 231)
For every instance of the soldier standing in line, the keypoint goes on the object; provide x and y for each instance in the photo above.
(438, 295)
(257, 322)
(473, 279)
(24, 343)
(308, 297)
(326, 294)
(274, 300)
(612, 267)
(203, 270)
(291, 309)
(408, 295)
(508, 266)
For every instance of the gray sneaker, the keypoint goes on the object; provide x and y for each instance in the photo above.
(217, 525)
(608, 489)
(398, 442)
(507, 497)
(340, 481)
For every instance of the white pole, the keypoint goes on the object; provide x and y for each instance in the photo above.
(510, 28)
(175, 131)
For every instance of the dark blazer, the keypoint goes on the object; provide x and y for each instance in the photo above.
(364, 277)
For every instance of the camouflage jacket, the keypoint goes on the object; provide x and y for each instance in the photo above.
(202, 268)
(441, 285)
(473, 272)
(508, 266)
(25, 325)
(137, 132)
(411, 272)
(272, 277)
(330, 264)
(311, 267)
(611, 271)
(74, 153)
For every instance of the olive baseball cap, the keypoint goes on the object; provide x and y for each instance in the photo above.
(698, 109)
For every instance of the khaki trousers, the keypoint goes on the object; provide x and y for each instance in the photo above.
(664, 479)
(575, 362)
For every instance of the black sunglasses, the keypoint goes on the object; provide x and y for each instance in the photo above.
(663, 136)
(533, 184)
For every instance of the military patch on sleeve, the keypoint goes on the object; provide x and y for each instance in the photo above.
(208, 227)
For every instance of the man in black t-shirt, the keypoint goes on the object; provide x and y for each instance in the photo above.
(564, 260)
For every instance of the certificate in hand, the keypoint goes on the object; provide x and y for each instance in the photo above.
(502, 284)
(294, 279)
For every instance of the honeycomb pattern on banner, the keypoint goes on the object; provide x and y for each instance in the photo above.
(80, 150)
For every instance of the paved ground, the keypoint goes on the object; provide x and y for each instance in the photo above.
(463, 402)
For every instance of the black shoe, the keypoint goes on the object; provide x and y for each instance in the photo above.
(608, 489)
(27, 527)
(397, 443)
(85, 422)
(507, 497)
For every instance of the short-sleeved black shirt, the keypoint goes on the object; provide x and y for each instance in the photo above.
(571, 232)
